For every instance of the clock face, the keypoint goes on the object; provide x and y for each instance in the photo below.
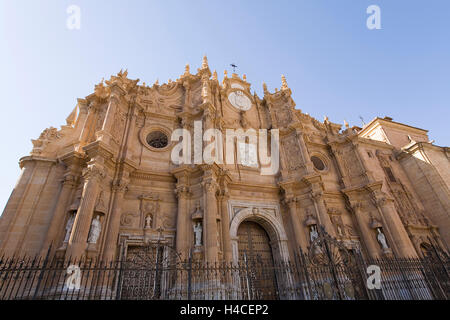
(239, 100)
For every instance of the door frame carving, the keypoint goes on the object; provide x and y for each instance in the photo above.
(268, 216)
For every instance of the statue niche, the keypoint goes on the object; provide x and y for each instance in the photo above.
(197, 219)
(149, 208)
(148, 221)
(94, 232)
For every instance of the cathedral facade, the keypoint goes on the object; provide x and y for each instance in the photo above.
(105, 184)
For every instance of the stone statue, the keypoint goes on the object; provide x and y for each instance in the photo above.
(198, 234)
(313, 234)
(94, 232)
(382, 239)
(148, 222)
(69, 226)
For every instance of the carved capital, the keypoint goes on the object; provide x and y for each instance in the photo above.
(120, 186)
(380, 201)
(70, 180)
(208, 114)
(183, 191)
(94, 106)
(316, 195)
(224, 193)
(357, 206)
(290, 201)
(210, 186)
(93, 171)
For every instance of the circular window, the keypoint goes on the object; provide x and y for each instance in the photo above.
(318, 163)
(157, 139)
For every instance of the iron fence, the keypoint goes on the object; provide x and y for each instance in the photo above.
(302, 278)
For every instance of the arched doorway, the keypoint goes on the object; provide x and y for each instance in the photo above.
(255, 252)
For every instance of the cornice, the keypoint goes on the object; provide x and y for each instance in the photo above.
(375, 143)
(73, 157)
(253, 187)
(152, 175)
(389, 123)
(373, 186)
(35, 158)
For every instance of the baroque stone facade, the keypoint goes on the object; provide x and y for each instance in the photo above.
(104, 184)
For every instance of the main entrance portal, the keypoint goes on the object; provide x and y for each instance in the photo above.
(255, 251)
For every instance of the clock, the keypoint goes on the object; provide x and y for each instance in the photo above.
(239, 100)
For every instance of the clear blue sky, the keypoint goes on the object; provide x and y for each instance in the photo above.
(334, 65)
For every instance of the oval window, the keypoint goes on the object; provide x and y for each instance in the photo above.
(318, 163)
(157, 139)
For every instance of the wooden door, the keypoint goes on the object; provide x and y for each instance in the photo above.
(254, 245)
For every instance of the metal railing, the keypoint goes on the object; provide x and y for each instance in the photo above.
(302, 278)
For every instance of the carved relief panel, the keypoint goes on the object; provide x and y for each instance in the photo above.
(293, 159)
(118, 125)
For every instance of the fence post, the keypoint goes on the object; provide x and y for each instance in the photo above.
(120, 261)
(361, 265)
(247, 276)
(189, 275)
(301, 263)
(40, 273)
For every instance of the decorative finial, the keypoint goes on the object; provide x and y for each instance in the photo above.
(225, 74)
(325, 119)
(186, 69)
(215, 75)
(143, 84)
(265, 87)
(157, 82)
(205, 62)
(244, 77)
(284, 84)
(170, 81)
(346, 124)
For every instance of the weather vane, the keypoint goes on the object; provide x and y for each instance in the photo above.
(362, 120)
(234, 67)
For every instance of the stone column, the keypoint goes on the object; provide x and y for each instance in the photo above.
(226, 239)
(57, 222)
(15, 202)
(394, 227)
(112, 235)
(321, 210)
(114, 100)
(296, 224)
(210, 220)
(78, 238)
(365, 231)
(183, 222)
(88, 124)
